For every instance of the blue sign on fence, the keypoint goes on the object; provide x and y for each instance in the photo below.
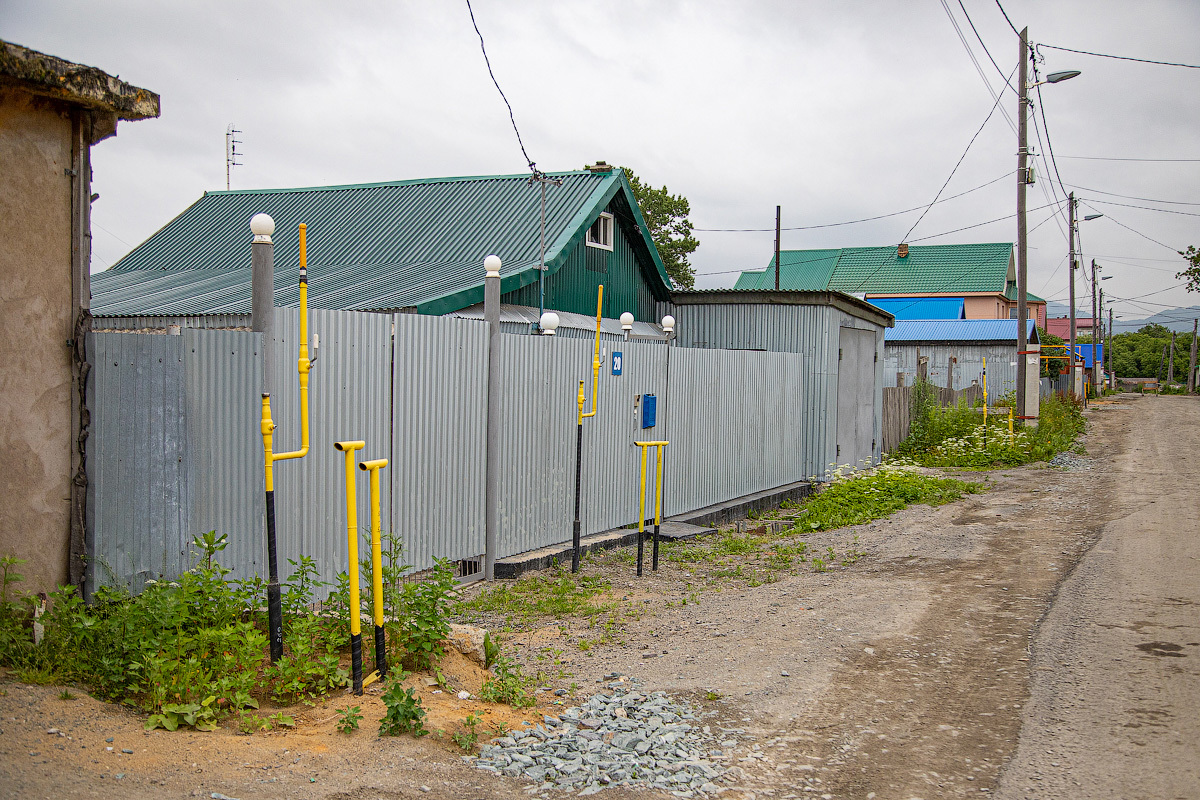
(617, 358)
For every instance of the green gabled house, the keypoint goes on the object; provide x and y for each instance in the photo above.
(415, 245)
(983, 276)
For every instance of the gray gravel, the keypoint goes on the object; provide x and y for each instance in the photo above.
(621, 736)
(1071, 462)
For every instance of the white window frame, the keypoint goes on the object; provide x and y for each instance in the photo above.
(608, 227)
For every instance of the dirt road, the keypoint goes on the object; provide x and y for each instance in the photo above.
(1035, 640)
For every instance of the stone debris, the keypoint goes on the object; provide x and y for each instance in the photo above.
(621, 736)
(1070, 462)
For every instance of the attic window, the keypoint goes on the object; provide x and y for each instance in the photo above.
(601, 233)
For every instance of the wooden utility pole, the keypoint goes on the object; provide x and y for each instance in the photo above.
(1111, 369)
(1022, 244)
(1171, 361)
(1071, 282)
(1095, 320)
(777, 248)
(1191, 380)
(1161, 363)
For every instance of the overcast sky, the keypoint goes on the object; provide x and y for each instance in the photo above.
(834, 110)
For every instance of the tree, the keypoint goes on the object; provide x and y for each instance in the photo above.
(666, 215)
(1192, 273)
(1051, 367)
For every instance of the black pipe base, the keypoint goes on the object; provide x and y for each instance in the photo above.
(380, 652)
(641, 538)
(654, 559)
(356, 662)
(274, 603)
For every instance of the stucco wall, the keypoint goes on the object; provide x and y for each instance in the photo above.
(35, 322)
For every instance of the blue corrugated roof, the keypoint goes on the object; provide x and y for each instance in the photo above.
(921, 307)
(956, 330)
(370, 246)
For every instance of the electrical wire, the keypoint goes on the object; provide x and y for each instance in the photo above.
(1120, 58)
(1145, 208)
(1132, 197)
(956, 166)
(975, 61)
(532, 166)
(851, 221)
(976, 225)
(1007, 82)
(1158, 160)
(1113, 219)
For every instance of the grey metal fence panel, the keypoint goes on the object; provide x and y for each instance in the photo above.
(439, 418)
(138, 505)
(224, 456)
(732, 425)
(900, 362)
(349, 398)
(216, 321)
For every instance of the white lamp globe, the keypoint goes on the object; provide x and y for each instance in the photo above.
(492, 266)
(668, 323)
(262, 225)
(548, 323)
(627, 321)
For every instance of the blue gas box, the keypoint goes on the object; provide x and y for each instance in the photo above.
(649, 409)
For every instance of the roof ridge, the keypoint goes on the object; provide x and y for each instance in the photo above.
(405, 182)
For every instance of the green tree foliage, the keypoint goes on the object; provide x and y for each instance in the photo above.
(1191, 274)
(1051, 366)
(666, 215)
(1138, 355)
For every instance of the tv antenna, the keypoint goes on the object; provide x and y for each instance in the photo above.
(231, 151)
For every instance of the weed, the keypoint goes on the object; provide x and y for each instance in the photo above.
(491, 649)
(535, 597)
(282, 720)
(507, 685)
(249, 723)
(348, 719)
(404, 713)
(466, 738)
(818, 564)
(499, 728)
(713, 695)
(426, 603)
(65, 694)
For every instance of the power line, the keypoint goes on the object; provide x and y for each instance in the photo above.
(1146, 208)
(1120, 58)
(532, 166)
(956, 166)
(1160, 160)
(1113, 219)
(852, 221)
(977, 225)
(1006, 19)
(987, 52)
(1132, 197)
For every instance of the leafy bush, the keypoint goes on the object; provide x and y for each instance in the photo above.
(859, 497)
(426, 623)
(507, 685)
(404, 712)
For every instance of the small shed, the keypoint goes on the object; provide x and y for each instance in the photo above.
(840, 338)
(950, 353)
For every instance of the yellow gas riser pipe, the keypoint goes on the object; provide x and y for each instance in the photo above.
(349, 448)
(642, 496)
(303, 364)
(595, 355)
(267, 426)
(658, 487)
(373, 467)
(985, 406)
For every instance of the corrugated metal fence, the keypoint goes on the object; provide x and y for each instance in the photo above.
(176, 448)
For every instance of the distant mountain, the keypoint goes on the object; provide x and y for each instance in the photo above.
(1176, 319)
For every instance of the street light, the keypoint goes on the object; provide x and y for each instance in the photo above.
(1022, 180)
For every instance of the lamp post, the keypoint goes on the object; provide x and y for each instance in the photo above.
(1024, 86)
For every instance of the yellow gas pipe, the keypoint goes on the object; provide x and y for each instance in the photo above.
(580, 401)
(376, 569)
(349, 448)
(657, 500)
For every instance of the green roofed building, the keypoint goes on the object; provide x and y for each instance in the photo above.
(415, 245)
(982, 275)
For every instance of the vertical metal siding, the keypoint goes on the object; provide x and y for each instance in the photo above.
(1001, 367)
(222, 377)
(137, 506)
(349, 398)
(439, 429)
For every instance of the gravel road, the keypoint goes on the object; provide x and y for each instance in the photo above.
(1035, 640)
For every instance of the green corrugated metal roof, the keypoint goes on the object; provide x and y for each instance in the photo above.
(803, 271)
(1010, 293)
(370, 246)
(927, 268)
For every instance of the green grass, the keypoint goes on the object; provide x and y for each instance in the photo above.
(537, 597)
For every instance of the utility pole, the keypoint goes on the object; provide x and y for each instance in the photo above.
(1161, 362)
(1111, 370)
(1191, 380)
(777, 248)
(1102, 340)
(1022, 177)
(1095, 319)
(1071, 265)
(1171, 361)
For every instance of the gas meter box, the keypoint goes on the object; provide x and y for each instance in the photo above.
(649, 410)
